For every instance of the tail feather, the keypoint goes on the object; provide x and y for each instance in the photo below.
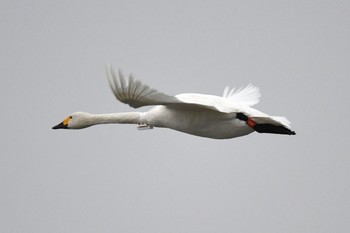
(275, 120)
(267, 124)
(283, 120)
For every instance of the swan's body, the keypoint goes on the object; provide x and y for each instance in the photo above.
(197, 114)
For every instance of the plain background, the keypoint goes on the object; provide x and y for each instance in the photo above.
(117, 179)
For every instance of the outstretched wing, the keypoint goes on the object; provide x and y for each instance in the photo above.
(135, 93)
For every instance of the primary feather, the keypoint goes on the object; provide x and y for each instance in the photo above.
(135, 93)
(249, 95)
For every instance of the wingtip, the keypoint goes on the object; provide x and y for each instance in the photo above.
(249, 95)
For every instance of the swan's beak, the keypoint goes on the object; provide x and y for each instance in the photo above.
(60, 126)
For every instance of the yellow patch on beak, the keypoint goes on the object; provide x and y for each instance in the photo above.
(66, 121)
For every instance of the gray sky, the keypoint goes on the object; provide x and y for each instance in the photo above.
(117, 179)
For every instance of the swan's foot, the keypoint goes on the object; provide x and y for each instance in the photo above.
(144, 126)
(269, 128)
(265, 128)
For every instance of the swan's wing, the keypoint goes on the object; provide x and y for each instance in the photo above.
(135, 93)
(211, 102)
(249, 95)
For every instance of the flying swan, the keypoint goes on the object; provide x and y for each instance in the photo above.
(202, 115)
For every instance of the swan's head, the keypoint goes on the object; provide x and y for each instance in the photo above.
(77, 120)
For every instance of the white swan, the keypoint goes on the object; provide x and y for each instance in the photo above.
(197, 114)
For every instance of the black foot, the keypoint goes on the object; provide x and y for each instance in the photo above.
(268, 128)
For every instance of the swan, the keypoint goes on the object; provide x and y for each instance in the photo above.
(202, 115)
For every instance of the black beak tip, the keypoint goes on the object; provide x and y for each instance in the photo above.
(60, 126)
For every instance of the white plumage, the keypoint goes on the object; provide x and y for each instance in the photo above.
(203, 115)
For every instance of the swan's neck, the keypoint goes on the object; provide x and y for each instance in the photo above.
(115, 118)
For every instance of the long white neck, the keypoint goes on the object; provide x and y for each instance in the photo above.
(115, 118)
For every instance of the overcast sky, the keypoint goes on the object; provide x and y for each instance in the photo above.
(113, 178)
